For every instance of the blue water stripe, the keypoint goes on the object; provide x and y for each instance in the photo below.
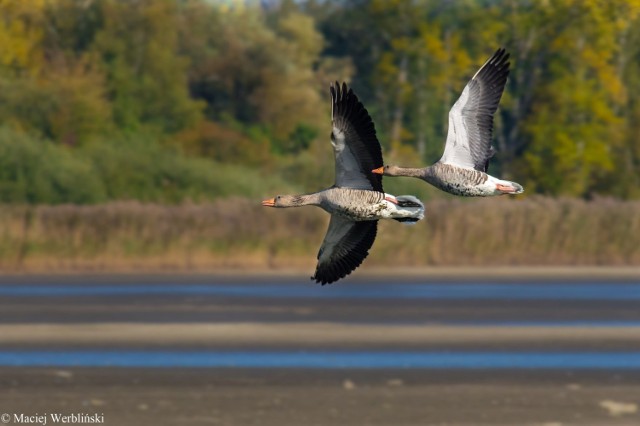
(546, 291)
(604, 323)
(325, 360)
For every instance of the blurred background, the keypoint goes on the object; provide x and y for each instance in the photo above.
(142, 134)
(141, 279)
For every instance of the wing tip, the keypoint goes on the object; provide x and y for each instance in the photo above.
(347, 111)
(339, 94)
(320, 281)
(336, 269)
(496, 66)
(339, 91)
(324, 279)
(500, 55)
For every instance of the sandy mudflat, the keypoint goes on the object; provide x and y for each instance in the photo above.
(304, 323)
(134, 397)
(314, 335)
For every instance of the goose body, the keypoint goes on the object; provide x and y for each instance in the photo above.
(462, 170)
(357, 200)
(362, 204)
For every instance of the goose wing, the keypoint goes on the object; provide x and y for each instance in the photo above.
(471, 118)
(355, 145)
(345, 246)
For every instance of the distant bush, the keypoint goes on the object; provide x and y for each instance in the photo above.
(298, 140)
(34, 170)
(67, 107)
(223, 143)
(137, 167)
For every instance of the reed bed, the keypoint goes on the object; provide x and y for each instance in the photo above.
(241, 234)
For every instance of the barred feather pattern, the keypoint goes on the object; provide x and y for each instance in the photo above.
(455, 180)
(356, 201)
(462, 170)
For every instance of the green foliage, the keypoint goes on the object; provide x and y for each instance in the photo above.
(146, 77)
(299, 140)
(33, 170)
(565, 123)
(256, 70)
(200, 87)
(137, 167)
(68, 107)
(222, 142)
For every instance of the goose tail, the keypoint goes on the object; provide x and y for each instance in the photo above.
(411, 209)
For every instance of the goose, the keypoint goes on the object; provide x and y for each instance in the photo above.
(356, 201)
(462, 170)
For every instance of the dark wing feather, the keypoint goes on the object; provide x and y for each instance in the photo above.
(345, 246)
(471, 118)
(355, 145)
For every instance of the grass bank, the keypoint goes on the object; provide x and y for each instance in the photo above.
(240, 234)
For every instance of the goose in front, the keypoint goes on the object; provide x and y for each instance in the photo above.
(462, 170)
(356, 201)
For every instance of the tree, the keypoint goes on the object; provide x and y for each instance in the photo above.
(46, 86)
(568, 124)
(260, 69)
(146, 75)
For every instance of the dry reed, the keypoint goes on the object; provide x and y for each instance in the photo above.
(239, 233)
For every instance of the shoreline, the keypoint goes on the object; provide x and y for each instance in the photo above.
(435, 272)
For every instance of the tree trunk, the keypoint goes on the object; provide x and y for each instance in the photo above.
(398, 113)
(421, 141)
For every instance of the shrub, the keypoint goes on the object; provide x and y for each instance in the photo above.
(34, 170)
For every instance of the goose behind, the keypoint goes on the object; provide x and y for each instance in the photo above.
(462, 170)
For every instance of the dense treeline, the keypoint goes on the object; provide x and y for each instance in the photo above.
(174, 100)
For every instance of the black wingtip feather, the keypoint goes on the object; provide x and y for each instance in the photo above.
(348, 113)
(496, 66)
(491, 80)
(342, 266)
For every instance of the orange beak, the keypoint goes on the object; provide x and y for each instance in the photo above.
(271, 202)
(378, 171)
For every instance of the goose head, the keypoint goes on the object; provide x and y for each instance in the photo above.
(284, 201)
(387, 170)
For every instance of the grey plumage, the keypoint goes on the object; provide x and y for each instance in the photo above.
(455, 180)
(462, 170)
(471, 117)
(356, 201)
(355, 145)
(344, 247)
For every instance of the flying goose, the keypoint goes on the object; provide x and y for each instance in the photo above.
(356, 201)
(462, 170)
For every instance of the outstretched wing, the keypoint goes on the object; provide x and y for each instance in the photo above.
(355, 145)
(345, 246)
(471, 118)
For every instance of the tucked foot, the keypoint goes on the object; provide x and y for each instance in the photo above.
(408, 203)
(407, 220)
